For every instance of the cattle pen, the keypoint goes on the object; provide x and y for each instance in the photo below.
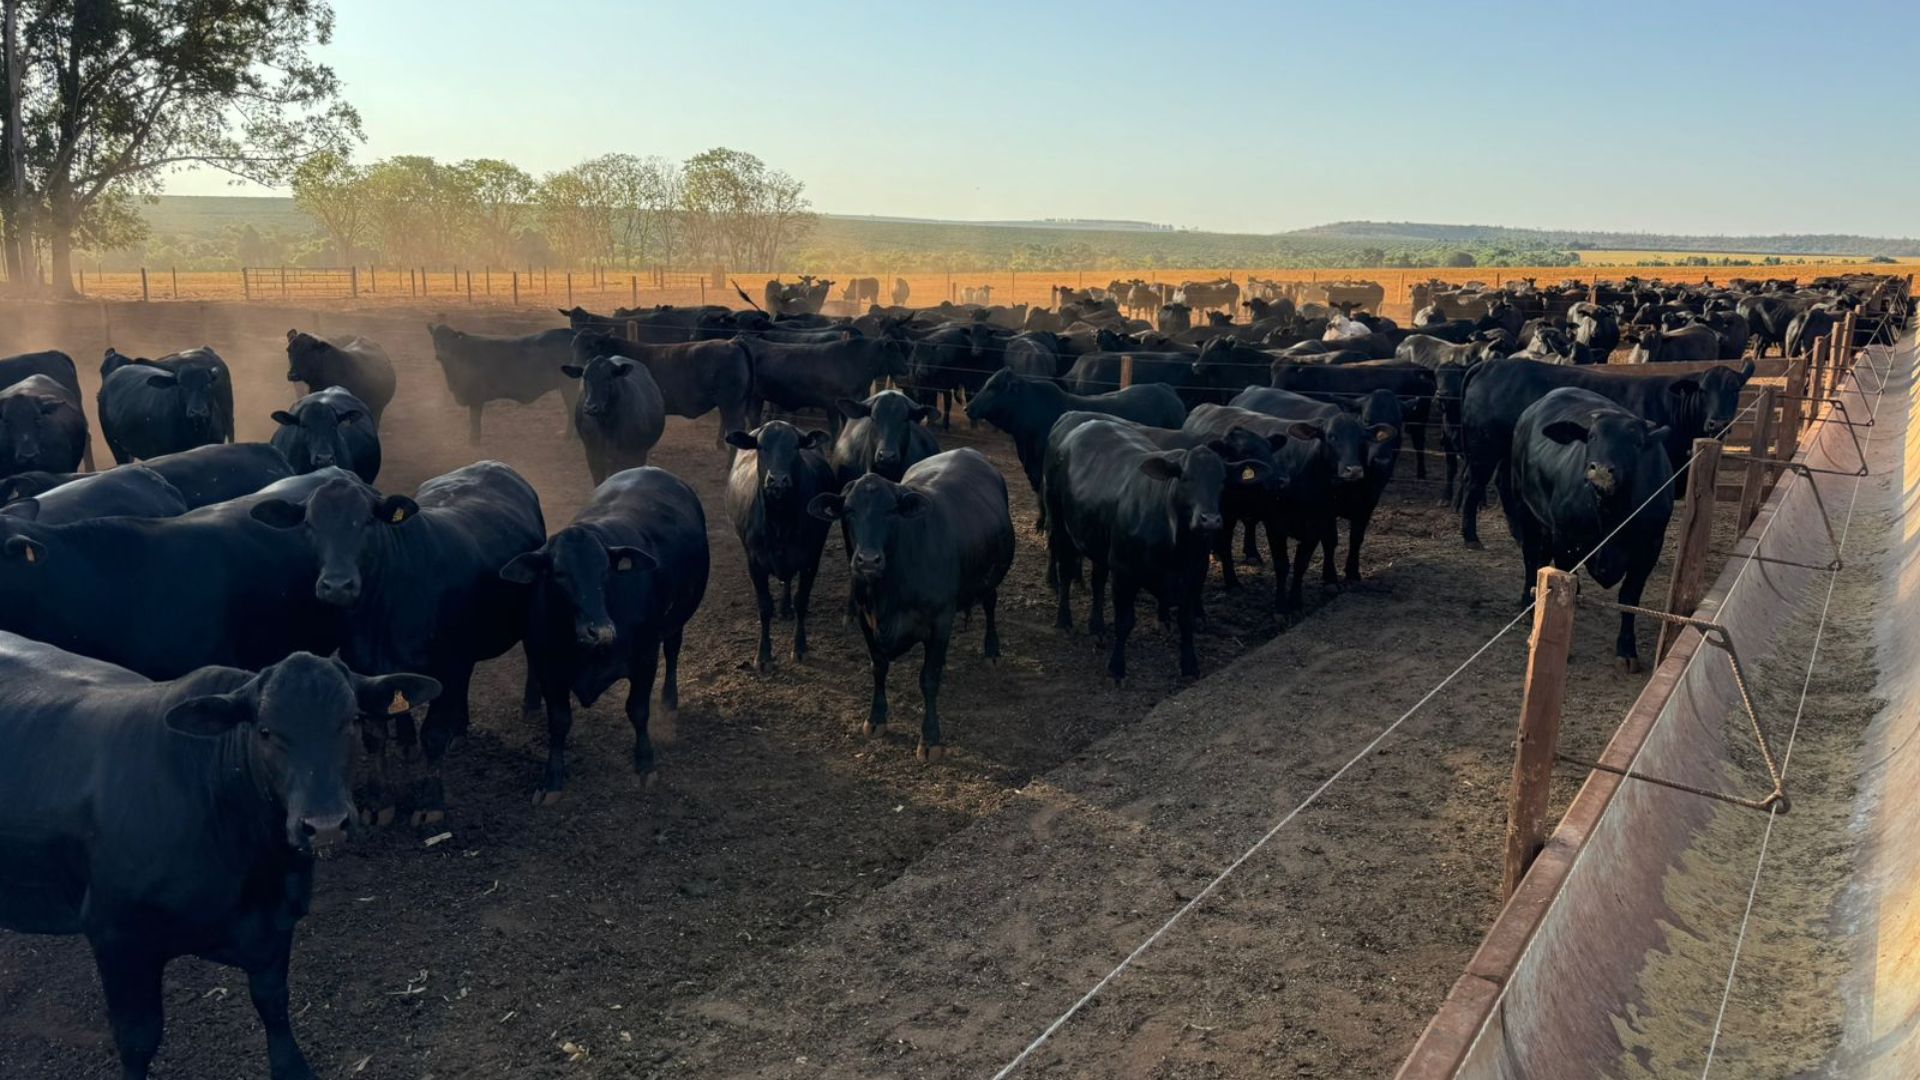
(1284, 867)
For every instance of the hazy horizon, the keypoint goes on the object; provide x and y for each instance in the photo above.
(1256, 120)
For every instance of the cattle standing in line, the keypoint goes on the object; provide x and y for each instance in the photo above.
(921, 552)
(1143, 516)
(125, 491)
(1692, 342)
(793, 377)
(620, 415)
(154, 407)
(419, 583)
(777, 472)
(55, 365)
(694, 379)
(485, 367)
(611, 593)
(1026, 408)
(329, 428)
(1173, 319)
(203, 475)
(959, 356)
(1685, 407)
(862, 290)
(42, 427)
(884, 434)
(1589, 480)
(168, 819)
(356, 365)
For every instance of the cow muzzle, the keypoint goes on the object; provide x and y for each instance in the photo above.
(778, 487)
(869, 564)
(323, 830)
(338, 591)
(322, 460)
(595, 635)
(1205, 522)
(1601, 478)
(1352, 473)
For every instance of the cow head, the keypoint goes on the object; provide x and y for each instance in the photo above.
(1614, 441)
(1383, 415)
(26, 419)
(1713, 396)
(1248, 457)
(578, 568)
(870, 510)
(304, 352)
(320, 443)
(777, 446)
(997, 399)
(346, 525)
(891, 417)
(297, 719)
(601, 380)
(1346, 444)
(1194, 479)
(195, 387)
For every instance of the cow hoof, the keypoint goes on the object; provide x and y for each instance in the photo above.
(1627, 664)
(1475, 545)
(650, 779)
(932, 755)
(423, 818)
(384, 816)
(544, 797)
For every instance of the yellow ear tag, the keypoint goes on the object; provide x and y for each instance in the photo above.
(1246, 474)
(1382, 436)
(399, 515)
(31, 557)
(400, 704)
(625, 563)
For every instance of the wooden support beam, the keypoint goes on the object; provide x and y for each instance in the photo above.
(1126, 370)
(1793, 406)
(1546, 690)
(1754, 490)
(1689, 581)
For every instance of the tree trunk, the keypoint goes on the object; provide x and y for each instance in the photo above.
(60, 239)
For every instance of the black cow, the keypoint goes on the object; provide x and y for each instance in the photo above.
(1807, 327)
(1038, 353)
(620, 415)
(1026, 409)
(168, 819)
(126, 491)
(153, 407)
(163, 596)
(353, 363)
(419, 582)
(694, 378)
(777, 472)
(612, 592)
(1590, 480)
(1597, 327)
(1768, 320)
(55, 365)
(955, 357)
(1382, 418)
(1418, 388)
(923, 551)
(328, 428)
(1691, 342)
(1147, 517)
(203, 475)
(862, 290)
(1684, 407)
(884, 434)
(42, 427)
(486, 367)
(794, 377)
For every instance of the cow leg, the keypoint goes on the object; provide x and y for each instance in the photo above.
(377, 808)
(1356, 535)
(1250, 545)
(1626, 650)
(446, 720)
(1329, 541)
(1302, 558)
(130, 980)
(786, 598)
(1418, 436)
(473, 425)
(763, 596)
(1125, 590)
(559, 705)
(267, 985)
(569, 397)
(1063, 569)
(86, 453)
(1185, 614)
(1453, 468)
(877, 712)
(670, 687)
(801, 605)
(642, 664)
(1480, 470)
(933, 664)
(1096, 613)
(1223, 551)
(990, 604)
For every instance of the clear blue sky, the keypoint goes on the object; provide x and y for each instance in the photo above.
(1677, 116)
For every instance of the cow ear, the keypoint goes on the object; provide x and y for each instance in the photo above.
(921, 414)
(910, 503)
(852, 410)
(827, 506)
(395, 509)
(278, 513)
(25, 549)
(623, 559)
(1746, 372)
(1565, 432)
(1305, 432)
(572, 371)
(1656, 433)
(27, 509)
(1161, 466)
(1277, 440)
(291, 334)
(623, 369)
(526, 567)
(1684, 388)
(284, 418)
(209, 717)
(741, 440)
(351, 416)
(815, 439)
(391, 695)
(161, 379)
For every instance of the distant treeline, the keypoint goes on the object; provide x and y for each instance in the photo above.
(1398, 232)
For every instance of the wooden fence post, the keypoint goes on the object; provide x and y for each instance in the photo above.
(569, 288)
(633, 290)
(1689, 582)
(83, 279)
(469, 286)
(1126, 370)
(1533, 748)
(516, 288)
(1843, 362)
(246, 284)
(143, 286)
(1758, 475)
(283, 282)
(1793, 409)
(353, 282)
(1817, 374)
(176, 281)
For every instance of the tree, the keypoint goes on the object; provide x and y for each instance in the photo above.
(738, 212)
(1460, 259)
(117, 93)
(501, 193)
(334, 191)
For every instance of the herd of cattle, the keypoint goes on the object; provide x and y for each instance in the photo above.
(195, 639)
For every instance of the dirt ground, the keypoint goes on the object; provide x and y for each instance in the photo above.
(790, 899)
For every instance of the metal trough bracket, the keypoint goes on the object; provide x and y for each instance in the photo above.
(1720, 637)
